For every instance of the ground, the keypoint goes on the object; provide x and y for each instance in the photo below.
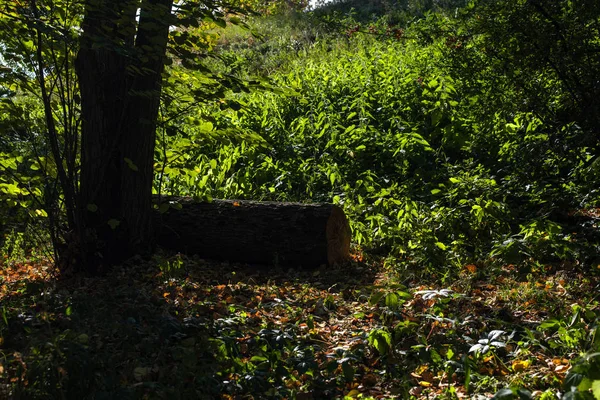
(183, 327)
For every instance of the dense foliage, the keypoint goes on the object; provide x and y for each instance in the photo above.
(435, 151)
(461, 139)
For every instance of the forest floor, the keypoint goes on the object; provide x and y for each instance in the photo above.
(180, 327)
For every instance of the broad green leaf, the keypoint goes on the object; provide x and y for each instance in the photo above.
(348, 371)
(391, 301)
(596, 389)
(504, 394)
(376, 297)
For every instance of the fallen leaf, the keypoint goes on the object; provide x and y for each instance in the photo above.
(561, 369)
(521, 365)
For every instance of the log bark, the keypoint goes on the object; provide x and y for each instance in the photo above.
(267, 233)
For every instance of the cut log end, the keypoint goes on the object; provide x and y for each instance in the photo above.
(338, 237)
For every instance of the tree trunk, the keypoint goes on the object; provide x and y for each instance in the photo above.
(119, 66)
(267, 233)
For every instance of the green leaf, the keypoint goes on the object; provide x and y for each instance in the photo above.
(257, 359)
(131, 165)
(435, 356)
(524, 394)
(376, 297)
(596, 389)
(83, 338)
(113, 223)
(436, 116)
(585, 385)
(573, 379)
(504, 394)
(348, 371)
(381, 340)
(310, 322)
(92, 207)
(549, 324)
(391, 301)
(441, 245)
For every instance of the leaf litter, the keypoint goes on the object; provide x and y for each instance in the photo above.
(182, 326)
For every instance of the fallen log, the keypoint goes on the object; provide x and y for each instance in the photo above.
(268, 233)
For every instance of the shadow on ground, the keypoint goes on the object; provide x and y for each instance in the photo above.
(151, 329)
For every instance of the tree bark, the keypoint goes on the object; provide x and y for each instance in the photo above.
(119, 66)
(268, 233)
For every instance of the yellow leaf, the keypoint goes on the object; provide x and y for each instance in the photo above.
(421, 369)
(425, 384)
(521, 365)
